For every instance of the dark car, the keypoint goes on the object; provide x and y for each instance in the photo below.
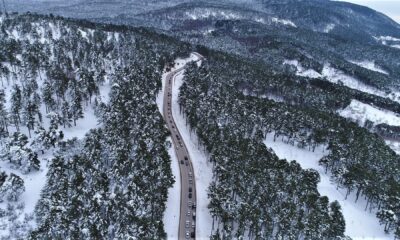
(186, 158)
(190, 189)
(181, 161)
(190, 195)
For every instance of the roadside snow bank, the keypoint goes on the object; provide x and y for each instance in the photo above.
(172, 211)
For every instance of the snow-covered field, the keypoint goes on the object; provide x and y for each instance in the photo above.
(301, 71)
(360, 112)
(339, 77)
(370, 66)
(284, 22)
(360, 224)
(202, 168)
(385, 39)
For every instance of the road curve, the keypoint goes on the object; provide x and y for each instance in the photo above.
(187, 217)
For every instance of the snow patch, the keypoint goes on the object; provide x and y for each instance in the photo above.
(370, 66)
(387, 38)
(83, 33)
(360, 224)
(284, 22)
(329, 28)
(204, 13)
(339, 77)
(301, 71)
(361, 112)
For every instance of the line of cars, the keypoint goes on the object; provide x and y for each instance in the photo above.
(190, 221)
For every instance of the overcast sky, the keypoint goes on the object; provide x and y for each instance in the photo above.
(388, 7)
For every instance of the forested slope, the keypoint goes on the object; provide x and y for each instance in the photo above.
(253, 191)
(56, 74)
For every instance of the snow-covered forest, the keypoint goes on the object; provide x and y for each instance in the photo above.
(256, 194)
(291, 122)
(82, 144)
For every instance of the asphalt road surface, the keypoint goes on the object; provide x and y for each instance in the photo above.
(187, 218)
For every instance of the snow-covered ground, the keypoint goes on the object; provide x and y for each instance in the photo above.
(284, 22)
(35, 181)
(394, 145)
(339, 77)
(360, 224)
(360, 112)
(202, 168)
(370, 66)
(385, 39)
(329, 27)
(301, 71)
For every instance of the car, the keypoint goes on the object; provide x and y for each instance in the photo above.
(186, 158)
(181, 161)
(187, 163)
(190, 189)
(194, 215)
(187, 235)
(192, 235)
(187, 223)
(190, 195)
(177, 136)
(190, 181)
(188, 213)
(193, 224)
(189, 203)
(190, 174)
(194, 205)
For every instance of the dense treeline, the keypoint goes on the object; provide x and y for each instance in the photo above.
(117, 185)
(232, 126)
(254, 194)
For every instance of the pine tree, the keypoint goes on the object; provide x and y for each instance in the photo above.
(47, 96)
(16, 105)
(12, 188)
(338, 225)
(76, 109)
(66, 116)
(3, 111)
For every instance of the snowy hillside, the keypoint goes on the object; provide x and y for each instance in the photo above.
(360, 223)
(59, 83)
(26, 89)
(339, 77)
(361, 112)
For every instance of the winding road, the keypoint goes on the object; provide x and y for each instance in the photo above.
(187, 217)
